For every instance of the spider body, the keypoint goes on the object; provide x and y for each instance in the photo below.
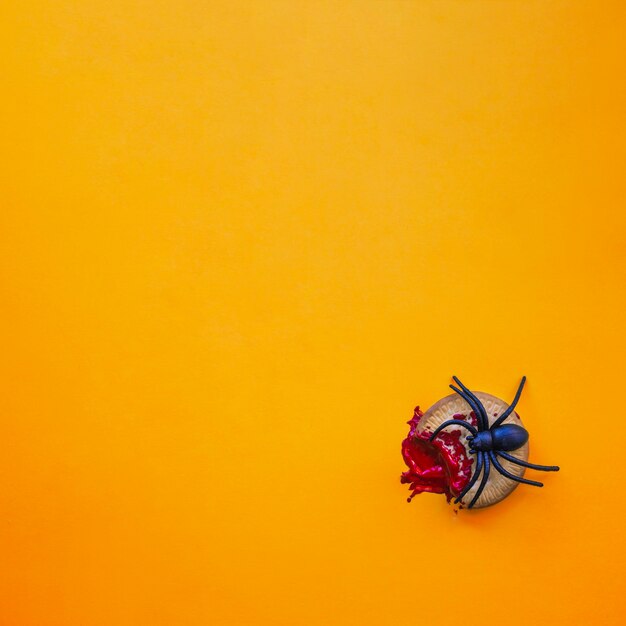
(507, 438)
(490, 442)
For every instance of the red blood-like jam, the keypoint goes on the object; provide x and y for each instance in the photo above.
(440, 466)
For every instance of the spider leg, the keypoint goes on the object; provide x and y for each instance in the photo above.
(504, 472)
(455, 423)
(472, 480)
(542, 468)
(512, 405)
(483, 482)
(479, 404)
(482, 424)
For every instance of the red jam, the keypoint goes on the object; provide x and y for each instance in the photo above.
(442, 466)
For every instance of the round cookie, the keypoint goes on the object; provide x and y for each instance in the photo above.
(445, 465)
(498, 487)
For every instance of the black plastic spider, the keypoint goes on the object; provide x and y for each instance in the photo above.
(488, 443)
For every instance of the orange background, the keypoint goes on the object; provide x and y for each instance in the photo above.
(240, 241)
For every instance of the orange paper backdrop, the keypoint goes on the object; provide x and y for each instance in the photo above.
(240, 241)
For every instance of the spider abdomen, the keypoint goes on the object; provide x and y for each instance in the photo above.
(508, 437)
